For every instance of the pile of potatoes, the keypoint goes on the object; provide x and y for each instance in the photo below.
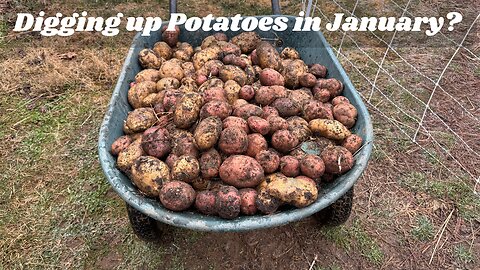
(219, 127)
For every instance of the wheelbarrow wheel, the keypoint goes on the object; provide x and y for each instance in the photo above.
(143, 226)
(338, 212)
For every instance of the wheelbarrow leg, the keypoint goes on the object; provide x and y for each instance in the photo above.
(338, 212)
(143, 226)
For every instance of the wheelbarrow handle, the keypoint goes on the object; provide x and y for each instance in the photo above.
(275, 7)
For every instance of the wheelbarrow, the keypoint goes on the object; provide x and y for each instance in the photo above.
(147, 215)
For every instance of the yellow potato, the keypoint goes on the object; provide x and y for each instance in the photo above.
(207, 132)
(330, 129)
(139, 120)
(187, 110)
(149, 174)
(185, 168)
(232, 88)
(126, 158)
(299, 191)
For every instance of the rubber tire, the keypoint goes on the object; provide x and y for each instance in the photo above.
(143, 226)
(338, 212)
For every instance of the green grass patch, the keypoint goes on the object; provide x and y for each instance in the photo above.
(423, 229)
(463, 254)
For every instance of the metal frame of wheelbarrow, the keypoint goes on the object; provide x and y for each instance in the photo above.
(314, 49)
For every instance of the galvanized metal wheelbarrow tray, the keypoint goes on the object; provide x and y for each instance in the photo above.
(313, 48)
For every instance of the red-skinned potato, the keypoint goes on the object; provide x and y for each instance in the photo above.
(247, 111)
(312, 166)
(316, 110)
(210, 162)
(247, 201)
(345, 113)
(339, 99)
(171, 160)
(269, 111)
(235, 60)
(286, 107)
(300, 96)
(277, 123)
(352, 143)
(290, 166)
(284, 140)
(236, 122)
(171, 98)
(256, 143)
(269, 77)
(307, 80)
(214, 93)
(228, 202)
(156, 142)
(299, 128)
(318, 70)
(258, 125)
(337, 159)
(322, 95)
(269, 160)
(334, 86)
(183, 143)
(233, 141)
(177, 195)
(220, 109)
(120, 144)
(170, 37)
(239, 103)
(241, 171)
(265, 95)
(205, 202)
(246, 92)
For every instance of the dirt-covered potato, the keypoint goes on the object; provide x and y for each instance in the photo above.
(268, 57)
(171, 69)
(266, 203)
(233, 141)
(201, 183)
(138, 92)
(228, 202)
(299, 128)
(269, 160)
(149, 174)
(277, 123)
(307, 80)
(352, 143)
(232, 88)
(170, 99)
(177, 195)
(286, 107)
(139, 120)
(156, 142)
(290, 166)
(247, 41)
(284, 141)
(318, 70)
(300, 96)
(235, 60)
(200, 58)
(312, 166)
(330, 129)
(170, 160)
(289, 53)
(163, 50)
(297, 153)
(247, 201)
(241, 171)
(231, 72)
(269, 111)
(299, 192)
(337, 159)
(207, 132)
(217, 108)
(170, 37)
(214, 93)
(120, 144)
(265, 95)
(314, 109)
(152, 75)
(334, 86)
(236, 122)
(239, 103)
(205, 202)
(258, 125)
(256, 144)
(269, 77)
(292, 73)
(149, 59)
(167, 83)
(210, 162)
(183, 143)
(322, 95)
(184, 52)
(247, 92)
(345, 113)
(247, 111)
(189, 70)
(210, 68)
(127, 156)
(339, 99)
(187, 110)
(186, 169)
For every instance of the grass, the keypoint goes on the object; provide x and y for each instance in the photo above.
(423, 230)
(463, 254)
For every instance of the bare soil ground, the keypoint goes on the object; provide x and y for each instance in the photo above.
(57, 210)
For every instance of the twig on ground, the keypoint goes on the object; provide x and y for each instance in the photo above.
(444, 226)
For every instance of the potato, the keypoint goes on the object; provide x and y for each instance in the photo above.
(318, 70)
(286, 107)
(337, 159)
(170, 37)
(265, 95)
(207, 133)
(268, 57)
(171, 69)
(220, 36)
(208, 41)
(200, 58)
(189, 70)
(247, 41)
(247, 111)
(239, 103)
(352, 143)
(170, 160)
(346, 114)
(186, 169)
(299, 128)
(277, 123)
(289, 53)
(312, 166)
(334, 86)
(156, 142)
(230, 72)
(152, 99)
(330, 129)
(258, 125)
(233, 141)
(210, 83)
(256, 143)
(227, 202)
(183, 143)
(252, 75)
(163, 50)
(289, 166)
(241, 171)
(120, 144)
(235, 60)
(307, 80)
(253, 57)
(248, 197)
(297, 153)
(210, 68)
(217, 108)
(292, 73)
(149, 59)
(284, 141)
(138, 92)
(149, 174)
(236, 122)
(316, 110)
(187, 110)
(269, 77)
(205, 202)
(184, 52)
(177, 195)
(339, 99)
(232, 88)
(139, 120)
(210, 162)
(170, 99)
(266, 203)
(126, 158)
(322, 95)
(200, 183)
(246, 92)
(214, 93)
(147, 75)
(269, 160)
(299, 192)
(300, 96)
(269, 111)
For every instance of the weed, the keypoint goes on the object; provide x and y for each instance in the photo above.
(463, 254)
(424, 229)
